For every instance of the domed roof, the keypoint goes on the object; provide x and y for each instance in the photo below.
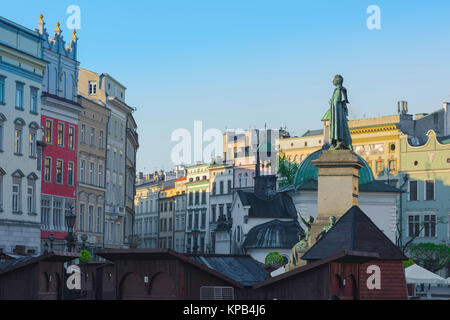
(307, 171)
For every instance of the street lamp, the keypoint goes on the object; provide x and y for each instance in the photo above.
(70, 222)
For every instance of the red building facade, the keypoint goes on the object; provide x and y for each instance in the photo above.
(59, 175)
(59, 119)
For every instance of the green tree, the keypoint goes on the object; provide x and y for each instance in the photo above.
(286, 170)
(274, 258)
(431, 256)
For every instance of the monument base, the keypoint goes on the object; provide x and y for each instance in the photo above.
(338, 187)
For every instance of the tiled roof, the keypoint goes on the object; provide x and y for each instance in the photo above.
(243, 269)
(354, 232)
(278, 206)
(273, 234)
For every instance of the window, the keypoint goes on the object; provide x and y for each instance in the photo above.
(115, 128)
(45, 213)
(48, 131)
(83, 133)
(48, 169)
(57, 215)
(70, 174)
(18, 140)
(413, 226)
(92, 87)
(196, 220)
(91, 173)
(19, 95)
(392, 166)
(1, 192)
(99, 219)
(429, 226)
(83, 171)
(115, 160)
(197, 197)
(91, 219)
(100, 139)
(204, 197)
(16, 198)
(213, 213)
(191, 198)
(221, 187)
(113, 234)
(229, 186)
(100, 175)
(413, 191)
(59, 171)
(203, 221)
(122, 132)
(32, 144)
(214, 189)
(30, 199)
(81, 220)
(92, 136)
(1, 134)
(60, 137)
(34, 100)
(190, 220)
(71, 137)
(379, 166)
(429, 190)
(2, 90)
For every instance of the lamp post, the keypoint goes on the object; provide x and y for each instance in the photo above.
(195, 235)
(70, 222)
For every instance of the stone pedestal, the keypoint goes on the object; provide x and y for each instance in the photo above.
(338, 187)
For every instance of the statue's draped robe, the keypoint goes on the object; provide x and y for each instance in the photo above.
(339, 130)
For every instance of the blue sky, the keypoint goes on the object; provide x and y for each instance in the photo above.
(235, 64)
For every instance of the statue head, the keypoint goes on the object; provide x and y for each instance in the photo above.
(332, 220)
(301, 236)
(338, 80)
(310, 220)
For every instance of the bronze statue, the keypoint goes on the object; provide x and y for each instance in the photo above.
(308, 224)
(296, 250)
(327, 228)
(339, 132)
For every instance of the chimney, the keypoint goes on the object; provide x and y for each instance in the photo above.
(20, 250)
(446, 118)
(402, 107)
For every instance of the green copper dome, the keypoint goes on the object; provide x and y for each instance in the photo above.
(308, 171)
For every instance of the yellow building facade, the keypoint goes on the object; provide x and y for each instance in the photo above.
(377, 140)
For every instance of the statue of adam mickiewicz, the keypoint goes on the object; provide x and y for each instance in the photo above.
(339, 131)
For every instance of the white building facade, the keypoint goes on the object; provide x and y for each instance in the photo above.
(21, 78)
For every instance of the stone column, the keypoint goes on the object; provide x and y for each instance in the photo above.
(338, 187)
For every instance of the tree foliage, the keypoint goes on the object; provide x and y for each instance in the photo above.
(286, 170)
(431, 256)
(274, 258)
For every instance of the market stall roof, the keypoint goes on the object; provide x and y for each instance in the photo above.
(417, 274)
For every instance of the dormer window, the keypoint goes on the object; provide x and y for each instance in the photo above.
(92, 87)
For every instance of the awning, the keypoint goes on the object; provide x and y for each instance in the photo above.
(417, 274)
